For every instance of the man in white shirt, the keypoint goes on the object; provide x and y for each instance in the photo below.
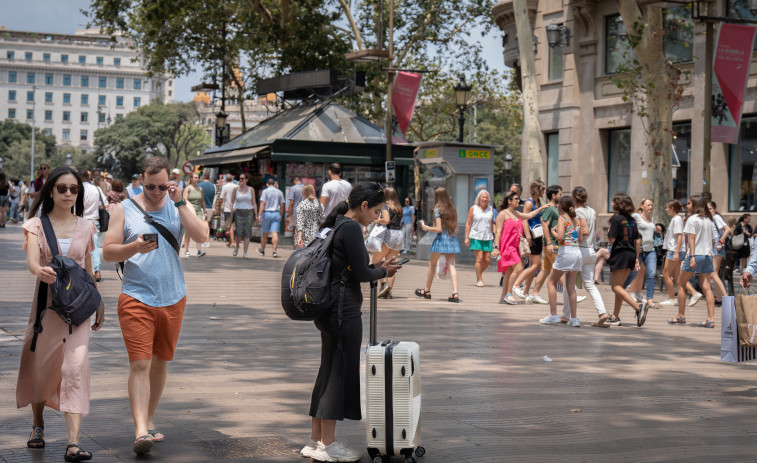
(335, 190)
(94, 199)
(176, 177)
(270, 213)
(227, 193)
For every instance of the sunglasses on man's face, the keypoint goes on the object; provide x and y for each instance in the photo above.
(44, 168)
(153, 187)
(74, 189)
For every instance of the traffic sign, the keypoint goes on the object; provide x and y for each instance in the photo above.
(187, 168)
(390, 172)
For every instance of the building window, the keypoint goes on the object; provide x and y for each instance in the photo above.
(743, 168)
(84, 117)
(681, 150)
(101, 118)
(99, 60)
(30, 96)
(739, 9)
(83, 135)
(10, 55)
(553, 158)
(85, 81)
(67, 80)
(619, 154)
(11, 95)
(66, 116)
(11, 113)
(84, 99)
(170, 92)
(137, 84)
(116, 62)
(46, 57)
(66, 134)
(48, 97)
(28, 56)
(66, 98)
(556, 55)
(678, 43)
(618, 51)
(29, 77)
(48, 115)
(137, 101)
(29, 114)
(119, 101)
(12, 77)
(48, 131)
(119, 82)
(64, 59)
(82, 59)
(101, 82)
(170, 83)
(48, 79)
(101, 100)
(119, 117)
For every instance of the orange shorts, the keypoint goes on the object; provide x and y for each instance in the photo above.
(149, 330)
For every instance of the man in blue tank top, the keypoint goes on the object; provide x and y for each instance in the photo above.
(153, 294)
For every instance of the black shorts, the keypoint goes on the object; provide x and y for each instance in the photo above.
(625, 259)
(537, 247)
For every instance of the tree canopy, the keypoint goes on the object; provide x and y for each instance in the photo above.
(15, 148)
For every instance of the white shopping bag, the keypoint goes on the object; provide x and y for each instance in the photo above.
(375, 239)
(730, 351)
(441, 268)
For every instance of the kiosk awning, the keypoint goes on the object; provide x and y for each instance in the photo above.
(229, 157)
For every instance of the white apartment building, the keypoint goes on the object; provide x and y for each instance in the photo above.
(71, 85)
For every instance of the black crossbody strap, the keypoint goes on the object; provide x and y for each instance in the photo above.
(52, 243)
(161, 229)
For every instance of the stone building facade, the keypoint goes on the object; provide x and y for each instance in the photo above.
(592, 140)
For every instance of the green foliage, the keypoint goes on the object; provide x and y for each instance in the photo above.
(15, 148)
(169, 130)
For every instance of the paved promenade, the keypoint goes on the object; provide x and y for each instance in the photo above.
(239, 387)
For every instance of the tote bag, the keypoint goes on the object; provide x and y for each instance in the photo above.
(730, 350)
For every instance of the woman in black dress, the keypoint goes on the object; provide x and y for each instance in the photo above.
(742, 226)
(336, 394)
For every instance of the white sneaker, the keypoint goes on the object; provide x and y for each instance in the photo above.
(309, 449)
(574, 322)
(580, 299)
(336, 451)
(637, 297)
(550, 320)
(537, 300)
(694, 299)
(245, 256)
(519, 292)
(669, 302)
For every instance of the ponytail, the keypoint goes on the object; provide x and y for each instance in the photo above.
(567, 206)
(340, 209)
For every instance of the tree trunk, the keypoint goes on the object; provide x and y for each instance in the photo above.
(531, 128)
(660, 92)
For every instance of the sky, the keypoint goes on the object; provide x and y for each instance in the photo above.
(64, 17)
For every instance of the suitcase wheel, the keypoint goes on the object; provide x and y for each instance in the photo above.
(378, 460)
(420, 451)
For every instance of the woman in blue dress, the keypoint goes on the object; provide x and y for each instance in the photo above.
(445, 243)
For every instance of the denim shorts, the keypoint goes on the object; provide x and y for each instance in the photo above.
(720, 253)
(704, 264)
(271, 221)
(681, 255)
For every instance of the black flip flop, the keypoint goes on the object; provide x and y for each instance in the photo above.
(80, 455)
(37, 442)
(423, 293)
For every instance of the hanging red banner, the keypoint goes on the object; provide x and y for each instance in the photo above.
(406, 86)
(733, 57)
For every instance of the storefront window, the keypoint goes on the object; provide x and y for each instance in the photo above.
(553, 158)
(617, 49)
(679, 34)
(743, 174)
(556, 64)
(620, 163)
(682, 149)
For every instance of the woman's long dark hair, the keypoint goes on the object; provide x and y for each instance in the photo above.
(369, 192)
(45, 198)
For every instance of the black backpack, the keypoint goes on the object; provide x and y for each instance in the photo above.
(75, 296)
(306, 281)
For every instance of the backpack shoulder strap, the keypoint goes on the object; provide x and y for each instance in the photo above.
(52, 241)
(161, 229)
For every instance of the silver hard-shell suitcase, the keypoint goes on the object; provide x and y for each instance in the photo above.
(393, 396)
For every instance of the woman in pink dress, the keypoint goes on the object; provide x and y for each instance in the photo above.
(56, 374)
(509, 230)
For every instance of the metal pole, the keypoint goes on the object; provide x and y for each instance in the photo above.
(709, 52)
(390, 79)
(461, 123)
(34, 110)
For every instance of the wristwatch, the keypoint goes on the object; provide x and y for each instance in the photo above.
(180, 203)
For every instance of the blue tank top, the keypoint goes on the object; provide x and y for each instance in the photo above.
(535, 220)
(155, 278)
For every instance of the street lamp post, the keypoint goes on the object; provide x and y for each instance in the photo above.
(462, 91)
(148, 152)
(508, 168)
(1, 164)
(69, 159)
(34, 109)
(221, 129)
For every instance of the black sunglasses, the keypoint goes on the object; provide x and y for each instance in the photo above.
(153, 187)
(62, 189)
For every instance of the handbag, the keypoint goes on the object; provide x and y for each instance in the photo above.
(746, 318)
(375, 238)
(104, 215)
(537, 231)
(523, 248)
(737, 242)
(730, 350)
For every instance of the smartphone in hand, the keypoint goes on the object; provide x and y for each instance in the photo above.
(402, 261)
(152, 237)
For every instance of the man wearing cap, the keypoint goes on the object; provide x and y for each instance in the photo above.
(176, 177)
(134, 187)
(270, 212)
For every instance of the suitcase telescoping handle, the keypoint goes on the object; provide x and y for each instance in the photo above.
(374, 298)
